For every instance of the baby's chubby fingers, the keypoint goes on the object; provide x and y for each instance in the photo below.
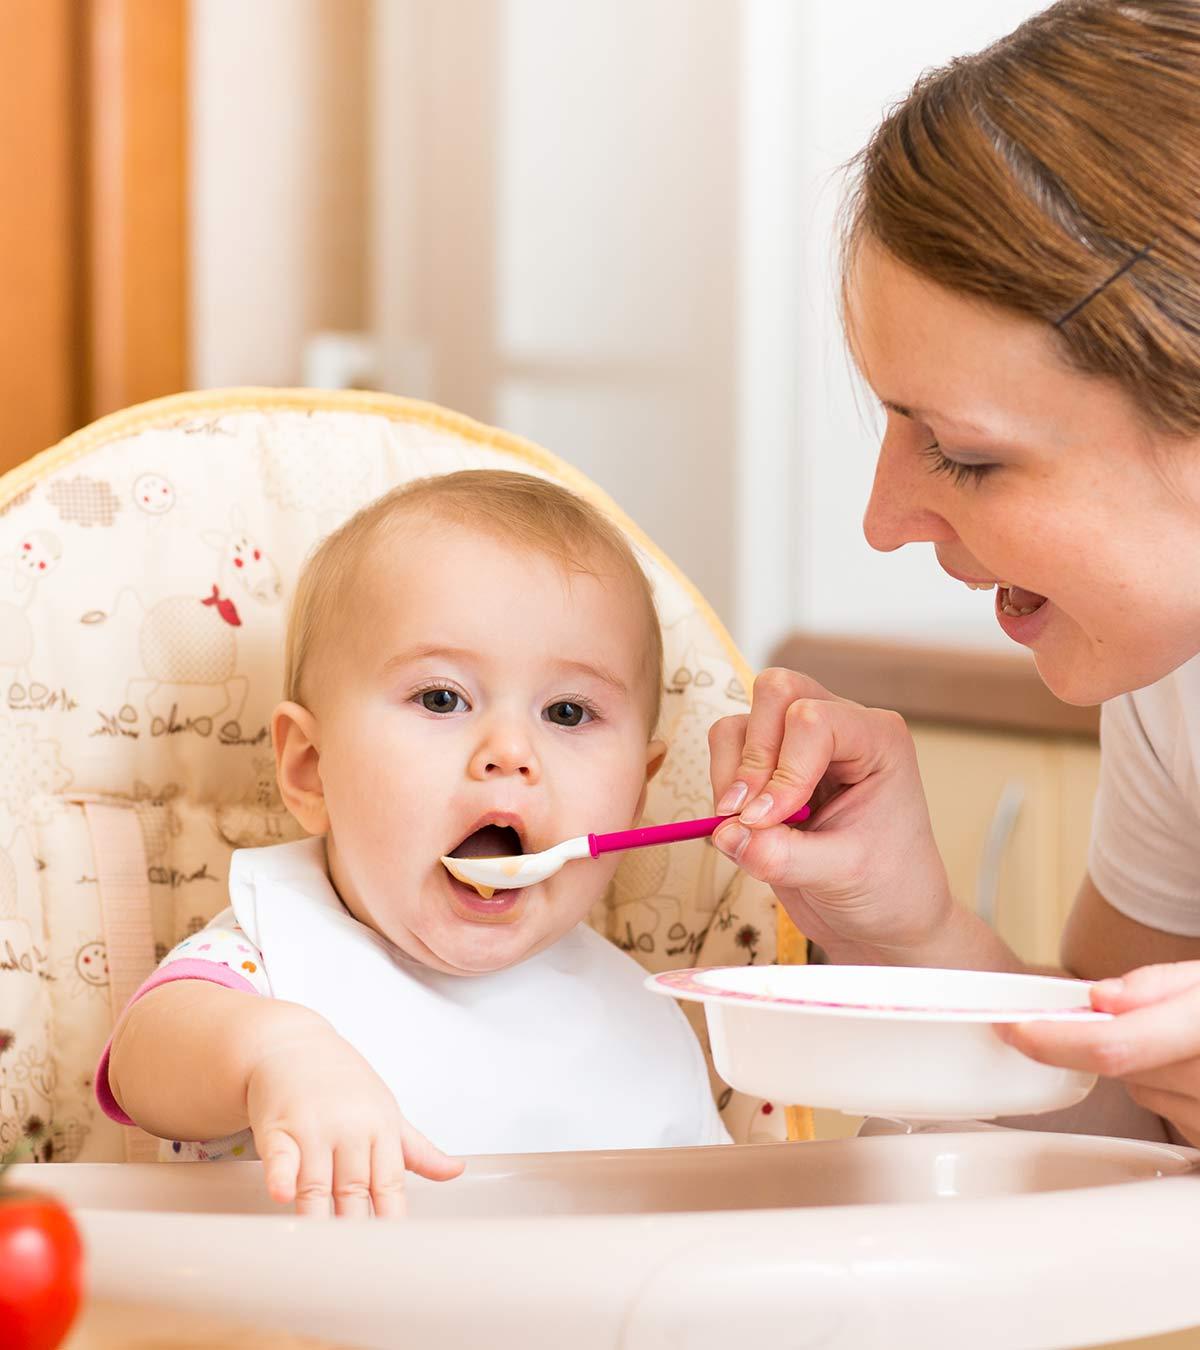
(761, 735)
(425, 1158)
(352, 1179)
(280, 1155)
(387, 1177)
(314, 1183)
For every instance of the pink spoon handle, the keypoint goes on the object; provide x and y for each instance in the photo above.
(670, 834)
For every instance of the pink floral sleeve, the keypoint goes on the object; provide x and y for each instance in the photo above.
(223, 954)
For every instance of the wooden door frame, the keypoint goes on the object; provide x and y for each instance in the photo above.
(93, 212)
(135, 307)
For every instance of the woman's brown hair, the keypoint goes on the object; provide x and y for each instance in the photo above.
(1057, 174)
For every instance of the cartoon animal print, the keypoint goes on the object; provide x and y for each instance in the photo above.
(84, 501)
(635, 899)
(31, 770)
(188, 643)
(67, 1137)
(158, 818)
(9, 908)
(17, 853)
(262, 820)
(316, 464)
(36, 555)
(242, 563)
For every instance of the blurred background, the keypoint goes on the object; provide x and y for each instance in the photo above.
(603, 224)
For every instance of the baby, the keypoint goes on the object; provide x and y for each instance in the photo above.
(473, 668)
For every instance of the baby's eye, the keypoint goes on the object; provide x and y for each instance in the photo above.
(567, 714)
(442, 701)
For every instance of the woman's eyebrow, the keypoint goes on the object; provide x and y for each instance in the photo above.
(925, 414)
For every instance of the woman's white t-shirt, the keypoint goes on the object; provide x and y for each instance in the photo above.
(1144, 856)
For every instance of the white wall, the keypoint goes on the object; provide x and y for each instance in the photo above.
(605, 224)
(278, 187)
(856, 60)
(555, 217)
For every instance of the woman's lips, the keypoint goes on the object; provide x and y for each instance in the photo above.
(1023, 628)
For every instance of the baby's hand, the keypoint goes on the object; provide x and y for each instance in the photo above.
(325, 1124)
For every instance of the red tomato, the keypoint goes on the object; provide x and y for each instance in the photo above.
(41, 1267)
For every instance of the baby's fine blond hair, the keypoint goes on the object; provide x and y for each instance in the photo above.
(530, 513)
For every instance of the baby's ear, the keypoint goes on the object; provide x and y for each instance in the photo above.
(295, 737)
(656, 752)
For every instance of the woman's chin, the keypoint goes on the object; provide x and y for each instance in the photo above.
(1078, 682)
(1085, 679)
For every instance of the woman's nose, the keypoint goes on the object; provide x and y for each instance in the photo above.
(898, 512)
(505, 750)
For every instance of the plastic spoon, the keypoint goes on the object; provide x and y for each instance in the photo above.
(527, 869)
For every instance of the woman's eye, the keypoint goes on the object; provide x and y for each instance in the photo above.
(443, 701)
(953, 468)
(567, 714)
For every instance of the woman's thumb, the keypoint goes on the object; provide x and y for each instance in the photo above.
(1146, 985)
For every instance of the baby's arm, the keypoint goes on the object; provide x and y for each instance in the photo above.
(194, 1059)
(183, 1053)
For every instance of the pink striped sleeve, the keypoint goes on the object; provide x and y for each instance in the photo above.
(179, 969)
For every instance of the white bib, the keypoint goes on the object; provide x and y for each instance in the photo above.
(566, 1050)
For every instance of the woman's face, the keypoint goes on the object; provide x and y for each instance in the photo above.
(1020, 470)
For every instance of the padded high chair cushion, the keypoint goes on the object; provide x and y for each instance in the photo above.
(146, 565)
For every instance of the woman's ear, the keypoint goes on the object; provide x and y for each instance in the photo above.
(295, 736)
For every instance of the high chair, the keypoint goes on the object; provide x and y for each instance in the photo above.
(145, 568)
(146, 564)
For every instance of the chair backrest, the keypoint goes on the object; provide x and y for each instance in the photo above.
(134, 750)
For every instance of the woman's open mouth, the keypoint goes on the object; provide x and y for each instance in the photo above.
(1021, 614)
(1016, 607)
(1017, 602)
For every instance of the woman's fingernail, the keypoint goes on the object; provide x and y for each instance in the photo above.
(735, 795)
(732, 840)
(757, 809)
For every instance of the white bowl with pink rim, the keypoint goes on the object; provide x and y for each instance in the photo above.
(905, 1042)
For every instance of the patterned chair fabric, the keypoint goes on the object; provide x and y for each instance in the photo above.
(146, 565)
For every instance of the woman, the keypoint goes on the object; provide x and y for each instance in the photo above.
(1021, 281)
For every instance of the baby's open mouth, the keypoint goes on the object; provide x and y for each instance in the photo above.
(489, 841)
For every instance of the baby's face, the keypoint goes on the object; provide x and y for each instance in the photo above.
(483, 702)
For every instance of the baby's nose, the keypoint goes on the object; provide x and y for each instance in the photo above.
(503, 754)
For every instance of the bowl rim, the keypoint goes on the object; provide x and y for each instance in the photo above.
(691, 985)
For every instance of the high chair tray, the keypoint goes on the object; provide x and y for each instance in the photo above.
(836, 1244)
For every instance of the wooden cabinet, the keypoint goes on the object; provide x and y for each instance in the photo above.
(1011, 816)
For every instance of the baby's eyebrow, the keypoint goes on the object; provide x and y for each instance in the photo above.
(440, 651)
(597, 672)
(426, 652)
